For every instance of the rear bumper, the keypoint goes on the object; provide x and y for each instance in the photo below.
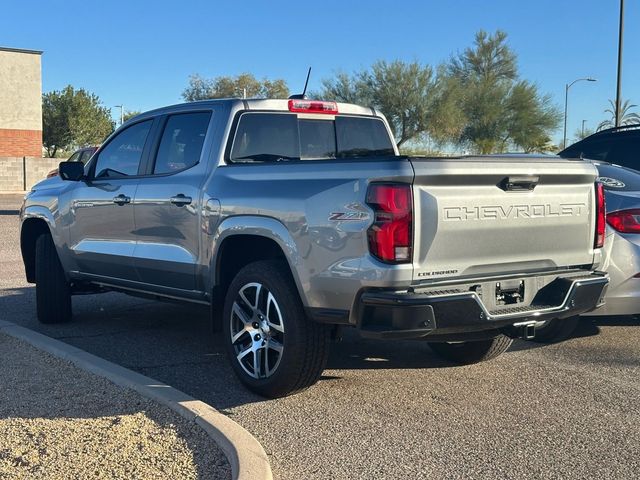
(460, 314)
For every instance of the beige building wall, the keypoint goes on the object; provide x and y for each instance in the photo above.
(20, 102)
(20, 90)
(18, 174)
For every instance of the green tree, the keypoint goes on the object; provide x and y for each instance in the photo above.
(499, 110)
(344, 88)
(129, 114)
(410, 95)
(579, 134)
(201, 88)
(73, 118)
(627, 118)
(532, 117)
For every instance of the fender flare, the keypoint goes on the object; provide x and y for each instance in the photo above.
(41, 213)
(267, 227)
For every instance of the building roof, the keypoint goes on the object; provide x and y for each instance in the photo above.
(20, 50)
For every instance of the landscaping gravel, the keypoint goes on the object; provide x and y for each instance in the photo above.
(59, 422)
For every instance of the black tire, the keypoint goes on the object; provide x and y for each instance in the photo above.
(557, 330)
(304, 343)
(466, 353)
(53, 292)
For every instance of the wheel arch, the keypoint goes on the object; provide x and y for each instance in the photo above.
(245, 239)
(33, 225)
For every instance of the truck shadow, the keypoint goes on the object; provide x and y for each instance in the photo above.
(354, 352)
(588, 327)
(174, 343)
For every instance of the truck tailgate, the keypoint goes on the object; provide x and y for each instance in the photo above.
(480, 216)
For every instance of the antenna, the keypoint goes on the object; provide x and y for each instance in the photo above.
(302, 96)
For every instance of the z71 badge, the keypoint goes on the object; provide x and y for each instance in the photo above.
(346, 216)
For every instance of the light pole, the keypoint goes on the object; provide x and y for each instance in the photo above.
(619, 85)
(566, 101)
(582, 131)
(121, 107)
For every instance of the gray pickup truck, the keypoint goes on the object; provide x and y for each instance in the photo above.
(293, 218)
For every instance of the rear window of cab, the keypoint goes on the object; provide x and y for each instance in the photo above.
(279, 137)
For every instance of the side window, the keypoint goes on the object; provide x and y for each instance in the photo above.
(181, 143)
(74, 158)
(266, 137)
(121, 156)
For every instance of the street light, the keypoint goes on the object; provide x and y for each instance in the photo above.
(619, 82)
(121, 107)
(566, 100)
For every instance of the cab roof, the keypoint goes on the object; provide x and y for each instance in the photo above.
(254, 104)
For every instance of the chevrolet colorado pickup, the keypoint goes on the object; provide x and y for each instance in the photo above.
(291, 218)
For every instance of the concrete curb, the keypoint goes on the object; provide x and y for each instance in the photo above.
(246, 456)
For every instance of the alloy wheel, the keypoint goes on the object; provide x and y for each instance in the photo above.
(257, 330)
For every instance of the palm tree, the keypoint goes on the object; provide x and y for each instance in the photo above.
(627, 117)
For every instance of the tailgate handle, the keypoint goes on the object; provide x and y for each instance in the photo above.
(519, 184)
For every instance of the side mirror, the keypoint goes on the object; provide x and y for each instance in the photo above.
(72, 171)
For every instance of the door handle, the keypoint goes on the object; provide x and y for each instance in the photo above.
(519, 184)
(121, 199)
(180, 200)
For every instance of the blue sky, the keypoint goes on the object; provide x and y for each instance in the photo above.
(141, 54)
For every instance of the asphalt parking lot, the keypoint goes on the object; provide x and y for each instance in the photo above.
(384, 409)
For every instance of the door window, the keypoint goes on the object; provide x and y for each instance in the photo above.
(121, 156)
(181, 143)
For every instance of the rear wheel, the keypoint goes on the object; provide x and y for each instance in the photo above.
(465, 353)
(556, 330)
(273, 347)
(53, 292)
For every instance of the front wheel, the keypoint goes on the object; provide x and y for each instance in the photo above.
(53, 293)
(273, 347)
(465, 353)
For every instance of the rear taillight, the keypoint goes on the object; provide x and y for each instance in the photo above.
(601, 221)
(625, 221)
(390, 236)
(313, 106)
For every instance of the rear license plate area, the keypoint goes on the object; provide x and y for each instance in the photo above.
(509, 292)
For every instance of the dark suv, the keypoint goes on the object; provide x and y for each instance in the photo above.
(620, 146)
